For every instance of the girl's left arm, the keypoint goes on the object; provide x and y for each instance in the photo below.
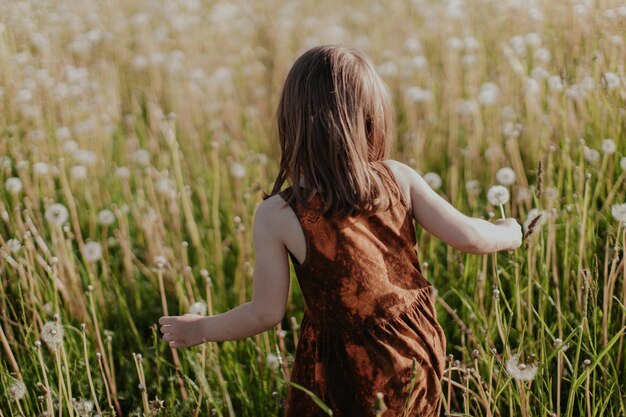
(270, 288)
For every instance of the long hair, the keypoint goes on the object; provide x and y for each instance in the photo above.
(334, 118)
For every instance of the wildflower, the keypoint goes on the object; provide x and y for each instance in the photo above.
(16, 391)
(555, 83)
(608, 146)
(472, 187)
(56, 214)
(78, 172)
(433, 180)
(142, 157)
(106, 217)
(531, 86)
(85, 157)
(164, 185)
(273, 361)
(40, 169)
(70, 146)
(122, 173)
(199, 308)
(591, 155)
(52, 334)
(13, 185)
(160, 261)
(237, 170)
(14, 245)
(92, 251)
(498, 195)
(619, 212)
(532, 215)
(520, 371)
(622, 163)
(488, 94)
(505, 176)
(83, 407)
(610, 80)
(418, 95)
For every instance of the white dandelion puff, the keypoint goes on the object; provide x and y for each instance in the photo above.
(433, 180)
(13, 185)
(78, 172)
(498, 194)
(122, 173)
(56, 214)
(106, 217)
(16, 390)
(41, 169)
(608, 146)
(520, 371)
(488, 94)
(83, 408)
(532, 215)
(92, 251)
(610, 80)
(591, 155)
(273, 361)
(473, 187)
(142, 157)
(199, 308)
(622, 163)
(618, 211)
(506, 176)
(237, 170)
(14, 245)
(52, 334)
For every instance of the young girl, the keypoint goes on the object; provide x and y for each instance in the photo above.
(346, 222)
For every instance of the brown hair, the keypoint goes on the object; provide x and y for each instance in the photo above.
(334, 119)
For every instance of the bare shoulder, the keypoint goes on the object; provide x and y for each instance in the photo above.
(403, 174)
(271, 211)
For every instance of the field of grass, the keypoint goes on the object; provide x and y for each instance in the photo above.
(136, 138)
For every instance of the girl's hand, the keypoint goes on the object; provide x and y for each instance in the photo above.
(514, 230)
(184, 331)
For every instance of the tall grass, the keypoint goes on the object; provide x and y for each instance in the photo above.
(152, 127)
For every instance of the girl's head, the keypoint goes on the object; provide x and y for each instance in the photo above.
(334, 117)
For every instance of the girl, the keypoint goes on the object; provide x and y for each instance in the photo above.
(346, 222)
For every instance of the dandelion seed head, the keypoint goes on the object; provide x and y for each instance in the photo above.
(273, 361)
(433, 180)
(78, 172)
(591, 155)
(56, 214)
(520, 371)
(106, 217)
(14, 245)
(41, 169)
(13, 185)
(52, 334)
(498, 194)
(506, 176)
(608, 146)
(92, 251)
(473, 187)
(16, 391)
(199, 308)
(122, 173)
(532, 215)
(83, 408)
(237, 170)
(618, 211)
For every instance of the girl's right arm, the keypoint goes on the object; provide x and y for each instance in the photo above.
(444, 221)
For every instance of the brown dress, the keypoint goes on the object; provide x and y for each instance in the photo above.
(368, 312)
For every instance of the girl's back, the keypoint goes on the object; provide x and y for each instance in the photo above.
(369, 311)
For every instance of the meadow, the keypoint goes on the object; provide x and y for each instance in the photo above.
(136, 138)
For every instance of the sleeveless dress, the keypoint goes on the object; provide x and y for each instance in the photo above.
(368, 312)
